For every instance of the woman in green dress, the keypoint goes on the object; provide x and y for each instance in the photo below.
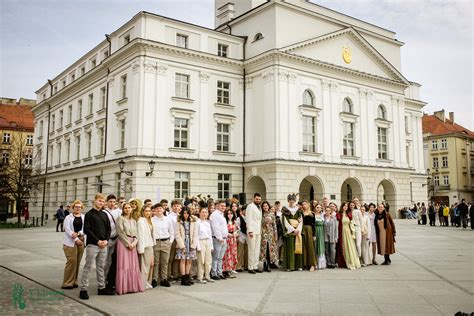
(309, 253)
(319, 243)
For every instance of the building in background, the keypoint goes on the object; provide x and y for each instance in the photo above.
(449, 157)
(16, 132)
(281, 97)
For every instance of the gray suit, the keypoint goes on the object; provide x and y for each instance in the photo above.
(331, 230)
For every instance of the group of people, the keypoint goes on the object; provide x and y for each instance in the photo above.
(459, 214)
(139, 245)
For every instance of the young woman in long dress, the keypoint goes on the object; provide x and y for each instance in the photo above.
(268, 248)
(319, 233)
(347, 239)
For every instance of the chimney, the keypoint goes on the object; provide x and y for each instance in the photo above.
(440, 115)
(451, 117)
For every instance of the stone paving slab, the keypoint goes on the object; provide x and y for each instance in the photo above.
(431, 274)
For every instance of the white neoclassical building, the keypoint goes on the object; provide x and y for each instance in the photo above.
(283, 96)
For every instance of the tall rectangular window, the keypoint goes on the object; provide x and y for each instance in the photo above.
(28, 159)
(223, 186)
(223, 137)
(86, 189)
(79, 109)
(78, 147)
(51, 156)
(48, 192)
(53, 122)
(223, 92)
(434, 145)
(5, 158)
(435, 162)
(83, 70)
(182, 40)
(102, 98)
(222, 50)
(122, 133)
(382, 142)
(29, 140)
(444, 143)
(100, 132)
(444, 160)
(348, 140)
(65, 190)
(181, 185)
(446, 180)
(407, 153)
(68, 150)
(436, 181)
(91, 103)
(56, 192)
(93, 63)
(74, 189)
(182, 86)
(180, 133)
(89, 144)
(69, 114)
(6, 138)
(123, 86)
(309, 134)
(61, 118)
(406, 125)
(59, 146)
(41, 126)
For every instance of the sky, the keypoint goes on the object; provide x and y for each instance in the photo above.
(40, 38)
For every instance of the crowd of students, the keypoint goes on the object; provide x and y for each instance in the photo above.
(459, 214)
(138, 245)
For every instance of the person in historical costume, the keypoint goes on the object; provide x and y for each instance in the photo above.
(292, 251)
(386, 232)
(278, 216)
(347, 256)
(242, 246)
(268, 249)
(330, 237)
(229, 261)
(309, 237)
(319, 233)
(373, 233)
(357, 223)
(365, 232)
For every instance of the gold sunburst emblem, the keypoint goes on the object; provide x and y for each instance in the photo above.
(347, 54)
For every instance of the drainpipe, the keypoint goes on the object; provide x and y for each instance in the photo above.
(244, 103)
(47, 152)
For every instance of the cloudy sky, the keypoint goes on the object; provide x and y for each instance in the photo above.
(40, 38)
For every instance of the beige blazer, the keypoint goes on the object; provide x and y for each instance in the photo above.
(193, 234)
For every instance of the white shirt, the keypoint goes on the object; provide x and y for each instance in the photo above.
(218, 225)
(113, 216)
(69, 230)
(173, 218)
(162, 228)
(253, 218)
(144, 235)
(357, 217)
(204, 232)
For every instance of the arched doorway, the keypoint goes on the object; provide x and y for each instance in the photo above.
(350, 189)
(311, 188)
(386, 193)
(255, 185)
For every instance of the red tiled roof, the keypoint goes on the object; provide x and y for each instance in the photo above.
(435, 126)
(16, 117)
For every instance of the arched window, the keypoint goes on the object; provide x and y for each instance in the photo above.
(257, 37)
(381, 112)
(308, 97)
(347, 106)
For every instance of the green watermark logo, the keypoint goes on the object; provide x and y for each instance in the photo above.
(18, 296)
(34, 295)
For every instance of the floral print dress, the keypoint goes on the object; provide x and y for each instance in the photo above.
(229, 262)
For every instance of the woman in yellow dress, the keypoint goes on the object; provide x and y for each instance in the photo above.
(348, 238)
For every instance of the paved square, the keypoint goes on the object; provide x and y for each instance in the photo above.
(431, 274)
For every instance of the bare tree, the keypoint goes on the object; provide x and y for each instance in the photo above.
(17, 176)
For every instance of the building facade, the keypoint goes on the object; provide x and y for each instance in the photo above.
(286, 97)
(16, 145)
(449, 157)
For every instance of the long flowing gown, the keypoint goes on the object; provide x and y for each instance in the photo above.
(309, 251)
(269, 238)
(229, 262)
(320, 242)
(350, 251)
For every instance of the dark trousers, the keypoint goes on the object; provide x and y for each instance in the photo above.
(423, 219)
(464, 221)
(432, 219)
(112, 272)
(446, 221)
(60, 222)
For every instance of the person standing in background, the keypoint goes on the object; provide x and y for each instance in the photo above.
(463, 212)
(110, 268)
(242, 247)
(60, 215)
(146, 241)
(73, 245)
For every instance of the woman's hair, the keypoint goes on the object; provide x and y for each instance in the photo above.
(142, 213)
(267, 203)
(77, 202)
(185, 209)
(137, 212)
(234, 217)
(123, 206)
(341, 207)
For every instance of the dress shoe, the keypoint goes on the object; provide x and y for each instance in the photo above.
(258, 271)
(105, 291)
(215, 278)
(83, 295)
(67, 287)
(222, 277)
(154, 283)
(209, 280)
(75, 286)
(165, 283)
(252, 271)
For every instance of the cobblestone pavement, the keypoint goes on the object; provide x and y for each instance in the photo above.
(21, 296)
(431, 274)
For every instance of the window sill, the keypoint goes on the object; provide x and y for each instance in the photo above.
(384, 160)
(350, 157)
(223, 153)
(120, 151)
(187, 100)
(184, 150)
(66, 164)
(78, 121)
(123, 100)
(225, 106)
(99, 156)
(87, 159)
(59, 129)
(50, 168)
(101, 111)
(89, 116)
(75, 162)
(309, 153)
(68, 125)
(29, 144)
(50, 133)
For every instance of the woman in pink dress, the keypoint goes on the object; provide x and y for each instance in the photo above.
(128, 279)
(229, 262)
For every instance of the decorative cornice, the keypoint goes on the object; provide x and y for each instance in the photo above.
(204, 77)
(267, 76)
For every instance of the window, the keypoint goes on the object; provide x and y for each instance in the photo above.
(407, 152)
(65, 190)
(444, 160)
(6, 138)
(406, 125)
(257, 37)
(446, 180)
(86, 189)
(444, 144)
(64, 83)
(100, 132)
(74, 189)
(102, 98)
(223, 136)
(79, 109)
(126, 39)
(61, 118)
(223, 92)
(123, 86)
(69, 114)
(434, 145)
(182, 86)
(73, 77)
(382, 142)
(5, 157)
(308, 97)
(180, 133)
(78, 147)
(28, 159)
(59, 152)
(348, 140)
(83, 70)
(436, 181)
(182, 40)
(93, 63)
(50, 154)
(435, 162)
(89, 144)
(40, 132)
(56, 191)
(48, 192)
(223, 186)
(53, 122)
(29, 140)
(181, 185)
(347, 106)
(91, 103)
(122, 133)
(222, 50)
(105, 54)
(381, 112)
(68, 150)
(309, 134)
(55, 88)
